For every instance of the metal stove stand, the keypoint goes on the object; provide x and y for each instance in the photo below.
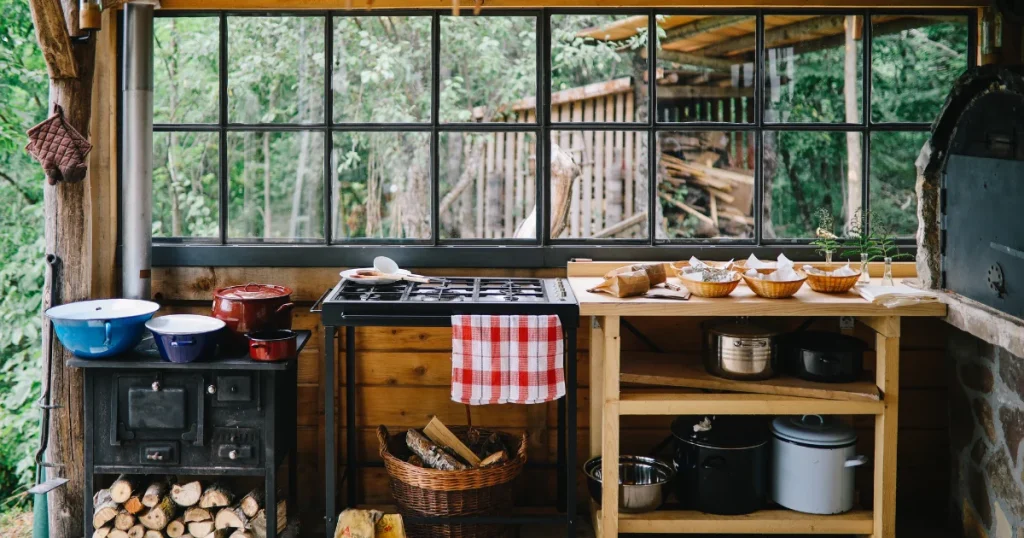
(431, 305)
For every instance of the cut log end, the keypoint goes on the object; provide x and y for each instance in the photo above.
(197, 514)
(157, 517)
(252, 502)
(186, 495)
(176, 528)
(154, 492)
(216, 496)
(201, 528)
(231, 518)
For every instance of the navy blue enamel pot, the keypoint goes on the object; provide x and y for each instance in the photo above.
(185, 338)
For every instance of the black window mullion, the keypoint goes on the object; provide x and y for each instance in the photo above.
(328, 182)
(652, 134)
(222, 122)
(435, 106)
(758, 138)
(865, 143)
(543, 113)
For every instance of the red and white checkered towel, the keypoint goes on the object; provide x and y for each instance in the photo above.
(507, 359)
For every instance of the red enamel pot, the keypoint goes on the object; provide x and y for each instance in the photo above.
(252, 308)
(272, 345)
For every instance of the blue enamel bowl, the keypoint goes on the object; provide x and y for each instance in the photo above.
(185, 338)
(102, 328)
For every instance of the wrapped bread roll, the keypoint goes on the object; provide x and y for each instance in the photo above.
(624, 284)
(655, 272)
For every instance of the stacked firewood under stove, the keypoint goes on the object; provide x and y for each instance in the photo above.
(438, 448)
(147, 507)
(698, 186)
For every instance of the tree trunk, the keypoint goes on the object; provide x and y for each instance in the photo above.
(67, 225)
(268, 217)
(300, 169)
(854, 154)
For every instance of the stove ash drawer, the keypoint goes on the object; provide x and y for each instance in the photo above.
(236, 446)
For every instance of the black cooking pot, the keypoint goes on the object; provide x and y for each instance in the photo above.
(721, 463)
(823, 356)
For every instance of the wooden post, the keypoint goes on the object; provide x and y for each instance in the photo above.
(68, 208)
(610, 430)
(887, 377)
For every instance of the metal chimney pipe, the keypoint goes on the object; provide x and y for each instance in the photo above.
(137, 151)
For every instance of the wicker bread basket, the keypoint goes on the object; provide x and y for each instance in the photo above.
(709, 289)
(771, 289)
(419, 491)
(832, 283)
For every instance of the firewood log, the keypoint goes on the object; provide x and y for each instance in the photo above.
(197, 514)
(221, 533)
(216, 496)
(124, 520)
(437, 432)
(134, 504)
(105, 509)
(176, 528)
(231, 518)
(494, 459)
(242, 533)
(252, 502)
(101, 532)
(258, 525)
(154, 492)
(153, 534)
(432, 455)
(157, 517)
(201, 529)
(116, 533)
(123, 487)
(186, 495)
(137, 531)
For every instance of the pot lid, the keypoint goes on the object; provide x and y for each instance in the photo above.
(814, 430)
(102, 309)
(730, 432)
(252, 292)
(827, 342)
(183, 324)
(743, 330)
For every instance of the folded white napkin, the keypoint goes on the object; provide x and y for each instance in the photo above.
(898, 295)
(845, 270)
(754, 263)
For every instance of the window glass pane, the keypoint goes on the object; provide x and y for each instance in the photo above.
(275, 69)
(381, 185)
(607, 174)
(805, 171)
(186, 185)
(488, 185)
(276, 185)
(706, 184)
(185, 70)
(700, 76)
(594, 61)
(382, 69)
(914, 63)
(488, 68)
(893, 199)
(813, 67)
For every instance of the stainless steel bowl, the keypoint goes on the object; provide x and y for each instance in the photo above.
(643, 482)
(740, 351)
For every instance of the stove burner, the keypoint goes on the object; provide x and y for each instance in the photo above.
(451, 290)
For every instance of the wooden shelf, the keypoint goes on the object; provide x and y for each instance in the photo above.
(763, 522)
(634, 402)
(676, 370)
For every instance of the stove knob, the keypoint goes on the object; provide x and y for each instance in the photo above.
(233, 455)
(156, 386)
(212, 389)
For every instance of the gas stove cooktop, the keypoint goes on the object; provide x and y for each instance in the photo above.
(446, 296)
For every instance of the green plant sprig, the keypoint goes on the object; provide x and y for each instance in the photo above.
(825, 239)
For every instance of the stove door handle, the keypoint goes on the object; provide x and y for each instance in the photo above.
(318, 306)
(1007, 250)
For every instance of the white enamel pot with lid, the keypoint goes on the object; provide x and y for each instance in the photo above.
(813, 463)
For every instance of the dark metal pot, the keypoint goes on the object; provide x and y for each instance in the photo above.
(824, 356)
(183, 338)
(272, 345)
(252, 308)
(722, 465)
(740, 351)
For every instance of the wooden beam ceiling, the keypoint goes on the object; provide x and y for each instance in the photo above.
(501, 4)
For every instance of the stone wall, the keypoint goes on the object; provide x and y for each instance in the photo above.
(986, 429)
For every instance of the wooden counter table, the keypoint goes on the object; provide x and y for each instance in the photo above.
(779, 396)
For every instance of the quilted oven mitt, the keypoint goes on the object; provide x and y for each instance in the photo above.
(59, 148)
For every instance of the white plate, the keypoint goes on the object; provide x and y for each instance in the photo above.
(371, 280)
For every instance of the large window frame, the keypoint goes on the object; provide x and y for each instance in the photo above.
(544, 251)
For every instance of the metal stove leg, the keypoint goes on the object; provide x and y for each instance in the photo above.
(351, 463)
(560, 454)
(270, 451)
(570, 416)
(330, 430)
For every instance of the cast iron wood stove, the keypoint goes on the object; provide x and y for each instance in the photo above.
(409, 304)
(229, 417)
(978, 141)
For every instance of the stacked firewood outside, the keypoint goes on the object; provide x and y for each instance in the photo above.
(144, 507)
(719, 199)
(438, 448)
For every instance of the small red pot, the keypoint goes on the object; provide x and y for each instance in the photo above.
(252, 308)
(272, 345)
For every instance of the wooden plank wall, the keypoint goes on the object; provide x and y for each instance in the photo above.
(403, 378)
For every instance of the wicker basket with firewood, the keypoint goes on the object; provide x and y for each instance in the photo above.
(460, 471)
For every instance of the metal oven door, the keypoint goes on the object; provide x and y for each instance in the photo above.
(159, 407)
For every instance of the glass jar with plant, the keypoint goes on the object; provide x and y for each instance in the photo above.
(889, 251)
(825, 239)
(862, 243)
